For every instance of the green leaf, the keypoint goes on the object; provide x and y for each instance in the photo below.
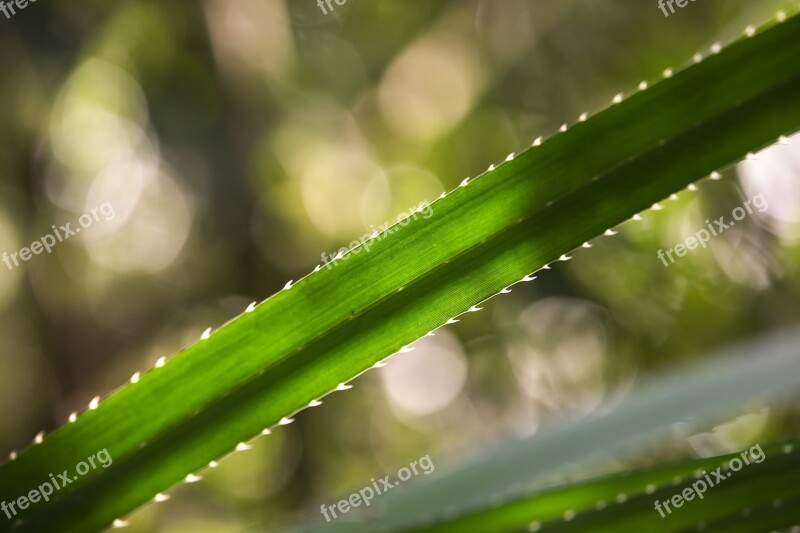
(626, 502)
(694, 395)
(337, 323)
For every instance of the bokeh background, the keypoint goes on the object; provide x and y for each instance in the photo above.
(237, 140)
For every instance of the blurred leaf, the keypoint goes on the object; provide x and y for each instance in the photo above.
(627, 502)
(702, 392)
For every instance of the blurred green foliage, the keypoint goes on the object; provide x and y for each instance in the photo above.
(239, 139)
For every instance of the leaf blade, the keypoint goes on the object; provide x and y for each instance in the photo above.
(271, 362)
